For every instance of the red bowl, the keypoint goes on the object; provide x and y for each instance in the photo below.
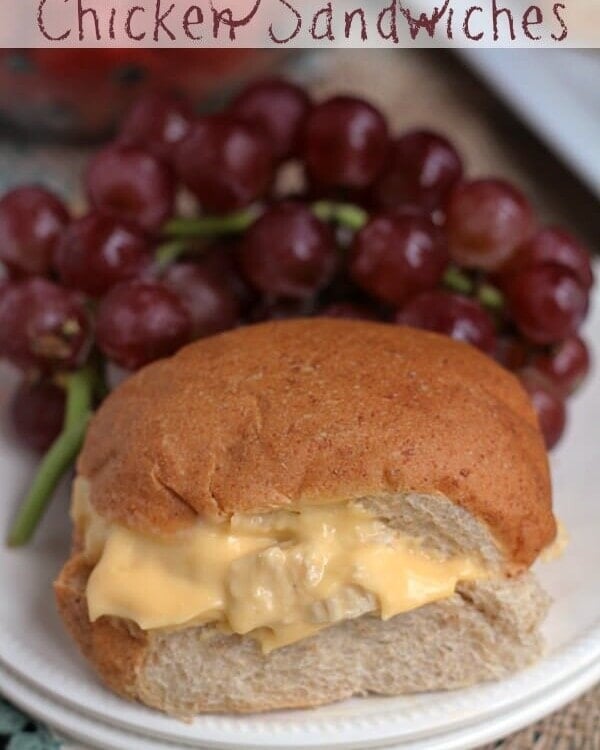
(81, 94)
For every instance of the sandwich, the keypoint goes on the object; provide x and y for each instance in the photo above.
(298, 512)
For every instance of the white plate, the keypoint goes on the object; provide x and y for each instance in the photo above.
(92, 732)
(33, 645)
(72, 725)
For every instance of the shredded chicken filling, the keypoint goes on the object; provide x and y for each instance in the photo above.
(279, 577)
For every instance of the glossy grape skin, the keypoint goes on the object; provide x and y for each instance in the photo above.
(549, 405)
(486, 222)
(37, 413)
(421, 169)
(32, 221)
(226, 163)
(346, 143)
(131, 185)
(278, 109)
(555, 246)
(566, 365)
(396, 256)
(547, 303)
(157, 122)
(288, 252)
(208, 298)
(43, 326)
(348, 311)
(456, 316)
(141, 321)
(98, 252)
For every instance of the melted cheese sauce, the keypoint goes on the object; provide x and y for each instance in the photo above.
(279, 577)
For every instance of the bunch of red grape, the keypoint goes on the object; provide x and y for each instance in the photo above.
(384, 228)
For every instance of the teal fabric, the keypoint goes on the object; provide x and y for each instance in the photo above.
(19, 732)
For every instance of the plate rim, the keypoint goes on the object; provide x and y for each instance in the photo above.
(44, 708)
(486, 730)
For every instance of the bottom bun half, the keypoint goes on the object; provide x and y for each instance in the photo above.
(484, 631)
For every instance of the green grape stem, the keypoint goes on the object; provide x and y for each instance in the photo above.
(181, 232)
(59, 458)
(345, 214)
(169, 252)
(490, 297)
(457, 281)
(211, 226)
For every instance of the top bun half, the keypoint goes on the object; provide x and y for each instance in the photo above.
(293, 413)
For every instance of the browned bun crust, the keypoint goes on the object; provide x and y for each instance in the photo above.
(316, 411)
(115, 647)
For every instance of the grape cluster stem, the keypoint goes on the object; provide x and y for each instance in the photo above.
(181, 232)
(80, 388)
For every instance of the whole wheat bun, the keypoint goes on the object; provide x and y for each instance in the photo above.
(428, 434)
(301, 412)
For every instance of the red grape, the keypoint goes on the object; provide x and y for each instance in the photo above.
(98, 252)
(349, 310)
(512, 353)
(548, 404)
(557, 247)
(566, 365)
(225, 163)
(411, 209)
(313, 191)
(346, 143)
(486, 221)
(140, 321)
(278, 109)
(396, 256)
(282, 309)
(223, 261)
(422, 169)
(157, 122)
(43, 326)
(459, 317)
(547, 303)
(288, 252)
(208, 297)
(131, 185)
(32, 221)
(37, 413)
